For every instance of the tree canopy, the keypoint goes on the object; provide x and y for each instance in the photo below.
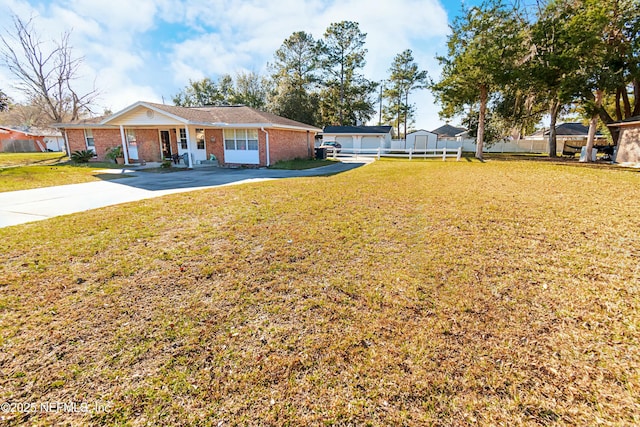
(294, 73)
(483, 50)
(405, 77)
(543, 57)
(346, 93)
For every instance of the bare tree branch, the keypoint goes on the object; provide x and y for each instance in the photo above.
(45, 75)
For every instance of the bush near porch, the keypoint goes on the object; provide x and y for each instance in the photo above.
(401, 293)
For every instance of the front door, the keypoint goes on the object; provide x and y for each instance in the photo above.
(166, 144)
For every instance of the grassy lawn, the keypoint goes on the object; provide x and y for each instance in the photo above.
(24, 159)
(403, 293)
(23, 171)
(300, 164)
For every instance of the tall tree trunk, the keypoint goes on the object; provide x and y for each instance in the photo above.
(341, 91)
(553, 112)
(406, 112)
(636, 98)
(593, 124)
(618, 106)
(398, 116)
(627, 104)
(481, 119)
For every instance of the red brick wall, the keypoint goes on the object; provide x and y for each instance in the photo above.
(283, 144)
(76, 140)
(288, 144)
(148, 145)
(104, 140)
(217, 147)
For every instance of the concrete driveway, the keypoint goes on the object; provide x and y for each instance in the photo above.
(18, 207)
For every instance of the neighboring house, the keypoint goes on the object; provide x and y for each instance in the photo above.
(628, 141)
(571, 136)
(567, 131)
(235, 135)
(24, 139)
(358, 137)
(422, 139)
(450, 133)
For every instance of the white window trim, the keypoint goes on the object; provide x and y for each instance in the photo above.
(182, 142)
(246, 139)
(86, 140)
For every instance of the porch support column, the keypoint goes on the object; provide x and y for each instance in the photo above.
(124, 145)
(189, 142)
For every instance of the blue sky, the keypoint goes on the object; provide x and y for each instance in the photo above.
(149, 49)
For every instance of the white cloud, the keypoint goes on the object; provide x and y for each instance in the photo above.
(150, 48)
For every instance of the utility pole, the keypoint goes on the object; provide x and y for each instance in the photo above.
(380, 110)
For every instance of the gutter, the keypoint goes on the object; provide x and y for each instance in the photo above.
(268, 157)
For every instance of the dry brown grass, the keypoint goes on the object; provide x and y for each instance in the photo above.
(423, 293)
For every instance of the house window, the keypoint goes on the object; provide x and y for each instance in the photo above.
(88, 137)
(200, 138)
(182, 138)
(131, 138)
(241, 139)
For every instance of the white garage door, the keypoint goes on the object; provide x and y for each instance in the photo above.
(371, 141)
(345, 141)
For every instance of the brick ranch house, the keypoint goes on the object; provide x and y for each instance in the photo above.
(235, 135)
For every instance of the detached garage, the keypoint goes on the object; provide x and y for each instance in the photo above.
(358, 137)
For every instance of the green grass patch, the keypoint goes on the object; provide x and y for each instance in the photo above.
(300, 164)
(413, 293)
(23, 159)
(23, 171)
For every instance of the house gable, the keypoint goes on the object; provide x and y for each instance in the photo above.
(141, 114)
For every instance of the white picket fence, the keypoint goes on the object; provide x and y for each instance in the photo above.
(402, 153)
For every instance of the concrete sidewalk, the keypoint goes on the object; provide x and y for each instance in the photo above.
(18, 207)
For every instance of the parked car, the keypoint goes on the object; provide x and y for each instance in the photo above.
(330, 146)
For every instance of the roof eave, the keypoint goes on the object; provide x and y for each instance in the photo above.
(624, 124)
(82, 126)
(356, 133)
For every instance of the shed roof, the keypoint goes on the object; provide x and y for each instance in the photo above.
(635, 120)
(357, 130)
(448, 130)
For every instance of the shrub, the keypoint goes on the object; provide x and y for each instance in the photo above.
(82, 156)
(166, 164)
(114, 153)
